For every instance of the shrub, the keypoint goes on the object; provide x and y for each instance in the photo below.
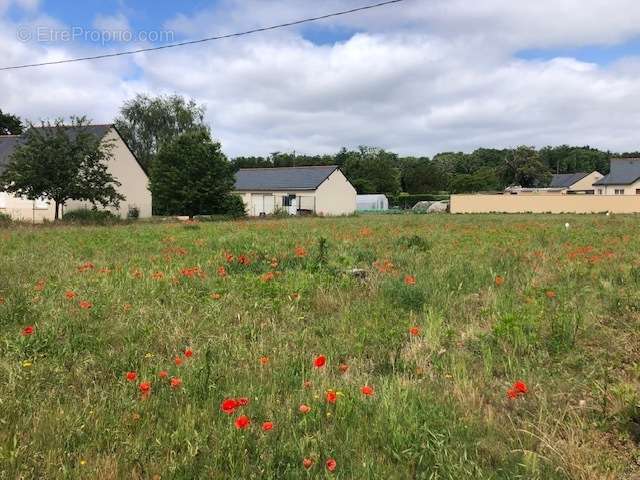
(234, 206)
(87, 216)
(133, 213)
(405, 201)
(5, 219)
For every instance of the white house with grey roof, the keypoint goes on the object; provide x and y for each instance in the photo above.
(623, 178)
(123, 165)
(321, 190)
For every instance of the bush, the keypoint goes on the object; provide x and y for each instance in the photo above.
(234, 206)
(405, 201)
(133, 213)
(86, 216)
(5, 219)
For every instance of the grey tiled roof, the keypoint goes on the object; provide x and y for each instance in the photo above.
(287, 178)
(624, 171)
(565, 180)
(7, 145)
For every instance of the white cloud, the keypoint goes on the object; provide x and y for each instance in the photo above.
(420, 78)
(112, 23)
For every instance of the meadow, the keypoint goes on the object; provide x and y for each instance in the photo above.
(480, 347)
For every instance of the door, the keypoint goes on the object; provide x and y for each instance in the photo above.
(262, 204)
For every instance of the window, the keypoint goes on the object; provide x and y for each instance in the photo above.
(619, 191)
(637, 191)
(4, 197)
(599, 191)
(286, 200)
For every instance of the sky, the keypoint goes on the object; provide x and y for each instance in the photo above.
(418, 77)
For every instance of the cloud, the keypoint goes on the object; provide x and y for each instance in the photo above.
(418, 79)
(112, 23)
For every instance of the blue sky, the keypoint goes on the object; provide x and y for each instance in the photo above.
(418, 78)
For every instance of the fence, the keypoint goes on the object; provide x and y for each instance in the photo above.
(545, 203)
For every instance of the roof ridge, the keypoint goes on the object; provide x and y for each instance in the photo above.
(281, 168)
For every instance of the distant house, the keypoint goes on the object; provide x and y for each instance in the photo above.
(123, 165)
(623, 178)
(322, 190)
(563, 184)
(372, 203)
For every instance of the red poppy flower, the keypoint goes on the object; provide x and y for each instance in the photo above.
(242, 422)
(132, 376)
(267, 277)
(332, 396)
(163, 374)
(512, 393)
(145, 389)
(409, 280)
(178, 360)
(158, 275)
(521, 387)
(307, 463)
(320, 361)
(176, 383)
(229, 257)
(414, 331)
(343, 368)
(304, 408)
(367, 391)
(229, 406)
(264, 361)
(27, 331)
(499, 280)
(188, 353)
(86, 266)
(266, 426)
(216, 296)
(244, 260)
(243, 402)
(331, 464)
(70, 294)
(222, 272)
(550, 294)
(85, 305)
(301, 252)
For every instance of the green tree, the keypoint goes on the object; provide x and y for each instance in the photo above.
(373, 170)
(62, 163)
(524, 167)
(147, 123)
(10, 124)
(191, 176)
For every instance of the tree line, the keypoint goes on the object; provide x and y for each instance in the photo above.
(190, 175)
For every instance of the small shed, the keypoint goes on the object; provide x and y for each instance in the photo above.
(377, 202)
(322, 190)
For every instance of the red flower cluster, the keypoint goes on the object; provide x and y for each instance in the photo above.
(320, 361)
(70, 294)
(230, 405)
(28, 331)
(409, 280)
(519, 389)
(300, 252)
(85, 305)
(384, 266)
(192, 272)
(86, 267)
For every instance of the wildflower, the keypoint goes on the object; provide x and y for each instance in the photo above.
(331, 464)
(320, 361)
(163, 374)
(28, 331)
(295, 296)
(499, 280)
(414, 331)
(85, 305)
(148, 355)
(512, 393)
(27, 364)
(300, 252)
(188, 353)
(343, 368)
(267, 277)
(132, 376)
(550, 294)
(137, 274)
(307, 384)
(307, 463)
(40, 285)
(83, 462)
(192, 272)
(274, 263)
(266, 426)
(243, 402)
(86, 266)
(264, 361)
(367, 391)
(176, 383)
(2, 300)
(145, 389)
(216, 296)
(178, 360)
(229, 406)
(304, 408)
(70, 294)
(242, 422)
(521, 387)
(158, 275)
(409, 280)
(331, 396)
(243, 260)
(229, 257)
(222, 272)
(126, 307)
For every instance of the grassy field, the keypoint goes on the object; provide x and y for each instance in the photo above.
(169, 350)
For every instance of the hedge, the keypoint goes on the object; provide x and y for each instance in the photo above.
(408, 201)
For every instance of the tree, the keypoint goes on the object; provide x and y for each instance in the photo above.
(191, 176)
(373, 170)
(62, 163)
(10, 124)
(147, 123)
(523, 166)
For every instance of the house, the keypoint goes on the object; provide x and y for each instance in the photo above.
(322, 190)
(623, 178)
(563, 184)
(372, 203)
(123, 165)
